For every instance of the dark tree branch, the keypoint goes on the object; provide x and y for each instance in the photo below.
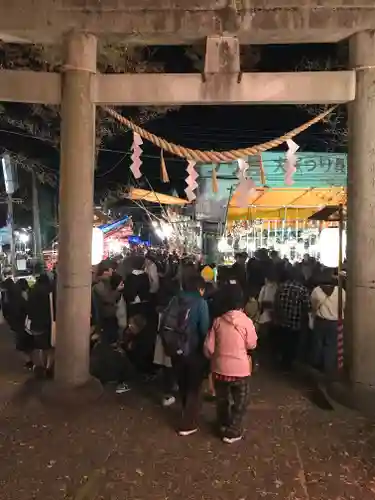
(335, 124)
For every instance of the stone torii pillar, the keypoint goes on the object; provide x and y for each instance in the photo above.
(76, 211)
(360, 341)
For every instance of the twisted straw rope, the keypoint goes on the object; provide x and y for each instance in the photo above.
(215, 156)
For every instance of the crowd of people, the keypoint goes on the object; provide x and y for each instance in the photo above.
(296, 307)
(29, 311)
(166, 317)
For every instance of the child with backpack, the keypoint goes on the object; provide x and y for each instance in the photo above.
(183, 329)
(231, 337)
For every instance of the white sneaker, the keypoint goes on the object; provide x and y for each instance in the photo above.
(122, 388)
(168, 401)
(187, 432)
(228, 440)
(223, 429)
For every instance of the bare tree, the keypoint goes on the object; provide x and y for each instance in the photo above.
(44, 121)
(335, 124)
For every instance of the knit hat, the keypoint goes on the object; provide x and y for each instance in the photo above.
(208, 274)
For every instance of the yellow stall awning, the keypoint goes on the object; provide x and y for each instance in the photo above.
(285, 203)
(152, 197)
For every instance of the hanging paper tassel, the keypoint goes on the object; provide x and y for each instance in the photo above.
(262, 173)
(215, 184)
(191, 180)
(291, 162)
(245, 187)
(163, 168)
(136, 156)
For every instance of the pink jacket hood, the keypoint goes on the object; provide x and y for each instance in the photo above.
(227, 343)
(236, 318)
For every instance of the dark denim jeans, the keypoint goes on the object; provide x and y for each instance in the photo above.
(190, 372)
(288, 341)
(325, 345)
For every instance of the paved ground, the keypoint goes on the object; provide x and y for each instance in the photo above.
(12, 375)
(124, 448)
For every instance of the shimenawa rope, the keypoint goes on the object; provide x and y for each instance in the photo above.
(215, 156)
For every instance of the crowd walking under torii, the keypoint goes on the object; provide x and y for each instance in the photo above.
(81, 89)
(164, 318)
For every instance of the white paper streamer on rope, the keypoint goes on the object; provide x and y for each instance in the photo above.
(291, 162)
(245, 187)
(136, 156)
(191, 181)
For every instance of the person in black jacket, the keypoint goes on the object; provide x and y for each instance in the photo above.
(136, 291)
(238, 271)
(137, 297)
(18, 303)
(105, 294)
(6, 291)
(39, 323)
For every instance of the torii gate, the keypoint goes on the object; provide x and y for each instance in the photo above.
(225, 24)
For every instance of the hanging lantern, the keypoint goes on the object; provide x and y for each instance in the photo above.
(97, 246)
(329, 246)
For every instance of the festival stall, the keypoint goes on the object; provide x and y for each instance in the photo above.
(280, 219)
(100, 217)
(116, 235)
(108, 238)
(251, 191)
(285, 203)
(143, 195)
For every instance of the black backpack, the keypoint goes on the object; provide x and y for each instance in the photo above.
(175, 327)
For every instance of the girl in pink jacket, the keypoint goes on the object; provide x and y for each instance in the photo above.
(227, 344)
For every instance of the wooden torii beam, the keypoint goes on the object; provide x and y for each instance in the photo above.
(186, 22)
(187, 89)
(254, 88)
(221, 83)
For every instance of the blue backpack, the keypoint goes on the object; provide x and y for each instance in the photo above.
(175, 328)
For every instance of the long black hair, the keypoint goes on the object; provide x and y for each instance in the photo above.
(22, 285)
(39, 304)
(228, 298)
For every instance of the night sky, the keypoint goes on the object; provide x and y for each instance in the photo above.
(220, 127)
(204, 127)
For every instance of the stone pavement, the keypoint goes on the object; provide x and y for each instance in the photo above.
(12, 374)
(124, 448)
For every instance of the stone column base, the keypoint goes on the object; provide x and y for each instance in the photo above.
(354, 396)
(57, 394)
